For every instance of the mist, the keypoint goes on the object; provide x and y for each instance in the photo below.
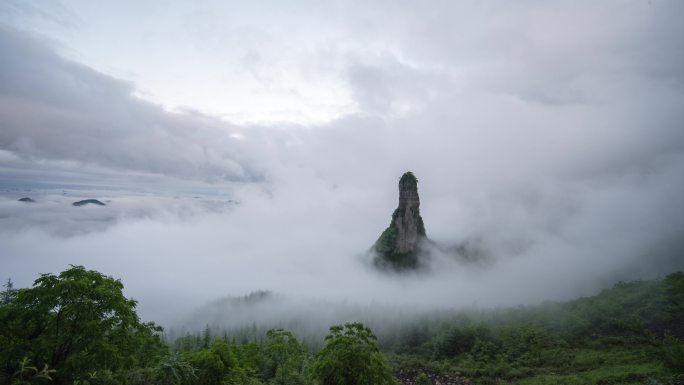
(538, 247)
(563, 167)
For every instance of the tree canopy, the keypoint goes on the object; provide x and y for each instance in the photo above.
(78, 328)
(76, 322)
(351, 357)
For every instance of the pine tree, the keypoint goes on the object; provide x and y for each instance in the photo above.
(9, 292)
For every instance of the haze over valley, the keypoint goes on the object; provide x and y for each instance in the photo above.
(203, 152)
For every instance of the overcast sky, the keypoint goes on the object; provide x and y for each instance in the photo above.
(257, 145)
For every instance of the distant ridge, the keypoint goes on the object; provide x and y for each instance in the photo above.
(88, 201)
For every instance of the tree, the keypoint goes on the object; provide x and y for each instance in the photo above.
(173, 369)
(210, 368)
(206, 337)
(76, 323)
(8, 294)
(351, 357)
(215, 365)
(283, 358)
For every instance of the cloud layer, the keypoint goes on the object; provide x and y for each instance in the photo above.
(55, 109)
(549, 135)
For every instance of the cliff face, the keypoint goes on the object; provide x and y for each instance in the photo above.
(399, 245)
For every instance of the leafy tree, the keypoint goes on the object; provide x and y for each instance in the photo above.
(283, 358)
(210, 368)
(28, 374)
(215, 365)
(173, 369)
(76, 323)
(351, 357)
(250, 359)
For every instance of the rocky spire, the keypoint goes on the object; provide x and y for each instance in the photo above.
(399, 245)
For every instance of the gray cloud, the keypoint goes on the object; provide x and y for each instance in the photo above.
(17, 12)
(55, 109)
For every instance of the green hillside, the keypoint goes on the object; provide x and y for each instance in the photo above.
(78, 328)
(628, 334)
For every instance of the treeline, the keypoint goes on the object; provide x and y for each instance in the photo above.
(78, 328)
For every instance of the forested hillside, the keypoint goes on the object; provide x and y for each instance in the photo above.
(78, 328)
(628, 334)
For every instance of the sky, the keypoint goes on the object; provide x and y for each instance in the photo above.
(246, 146)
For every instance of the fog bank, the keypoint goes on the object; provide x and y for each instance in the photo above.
(547, 136)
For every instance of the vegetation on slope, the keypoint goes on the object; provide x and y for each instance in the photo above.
(78, 328)
(629, 334)
(384, 247)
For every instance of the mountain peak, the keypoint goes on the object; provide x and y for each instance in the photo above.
(399, 245)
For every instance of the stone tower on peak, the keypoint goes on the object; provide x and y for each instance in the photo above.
(399, 246)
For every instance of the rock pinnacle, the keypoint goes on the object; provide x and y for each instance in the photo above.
(399, 245)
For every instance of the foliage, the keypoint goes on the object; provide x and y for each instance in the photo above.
(279, 360)
(671, 351)
(283, 358)
(174, 369)
(384, 247)
(77, 328)
(422, 379)
(7, 295)
(673, 296)
(211, 370)
(28, 374)
(76, 323)
(457, 340)
(631, 333)
(351, 357)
